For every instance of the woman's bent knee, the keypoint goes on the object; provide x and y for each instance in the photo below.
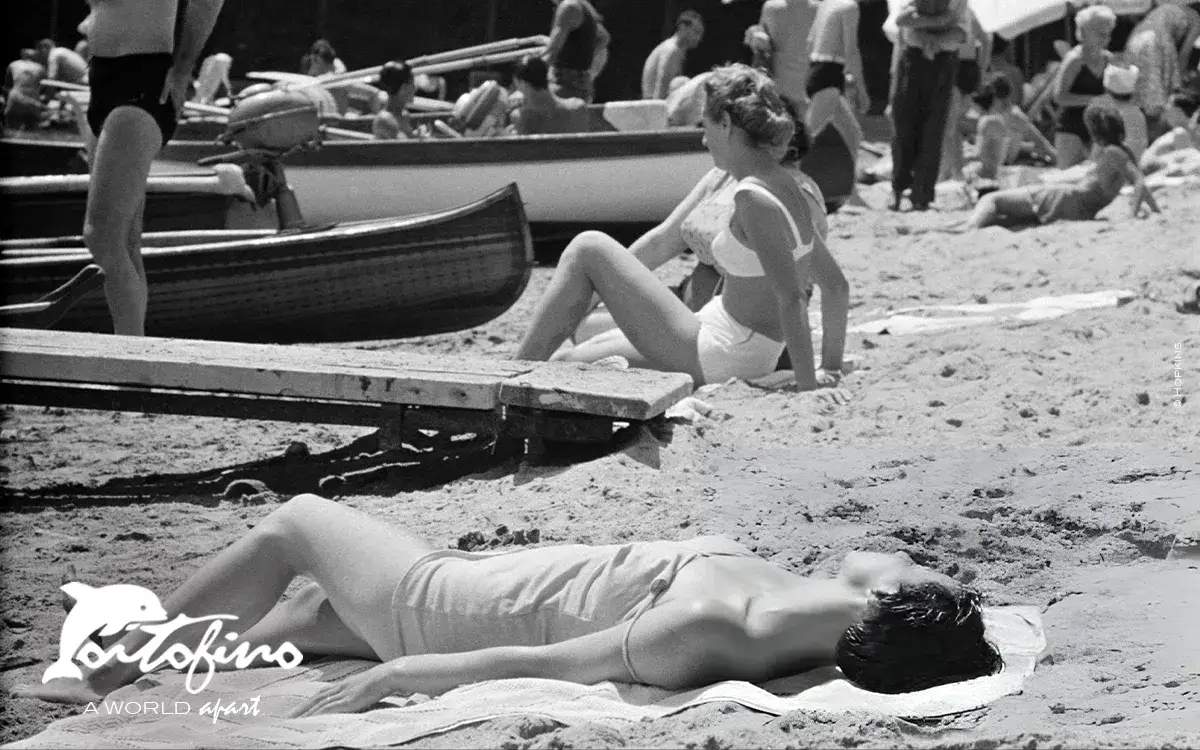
(293, 516)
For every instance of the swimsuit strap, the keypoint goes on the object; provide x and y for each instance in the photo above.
(791, 221)
(657, 587)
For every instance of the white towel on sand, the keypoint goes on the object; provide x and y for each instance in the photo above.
(1016, 631)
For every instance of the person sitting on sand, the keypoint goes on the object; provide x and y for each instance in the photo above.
(1183, 114)
(1003, 130)
(541, 110)
(674, 614)
(765, 251)
(1110, 167)
(697, 221)
(391, 122)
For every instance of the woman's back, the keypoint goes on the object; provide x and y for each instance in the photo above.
(457, 601)
(751, 300)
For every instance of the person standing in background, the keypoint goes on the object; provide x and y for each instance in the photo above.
(974, 57)
(139, 75)
(577, 51)
(1161, 47)
(787, 23)
(1081, 79)
(924, 67)
(833, 50)
(665, 63)
(214, 74)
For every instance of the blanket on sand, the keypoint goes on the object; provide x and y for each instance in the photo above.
(187, 721)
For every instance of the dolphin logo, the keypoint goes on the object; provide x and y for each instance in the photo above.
(111, 608)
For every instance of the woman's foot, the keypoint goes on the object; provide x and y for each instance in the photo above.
(61, 690)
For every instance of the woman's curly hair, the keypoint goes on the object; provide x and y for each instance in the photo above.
(752, 102)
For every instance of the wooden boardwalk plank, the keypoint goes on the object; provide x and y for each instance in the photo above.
(337, 374)
(297, 372)
(602, 391)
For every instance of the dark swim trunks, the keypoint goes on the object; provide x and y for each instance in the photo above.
(134, 81)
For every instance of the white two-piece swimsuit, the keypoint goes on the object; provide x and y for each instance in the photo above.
(727, 348)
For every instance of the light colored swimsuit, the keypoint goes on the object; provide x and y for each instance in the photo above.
(726, 348)
(452, 601)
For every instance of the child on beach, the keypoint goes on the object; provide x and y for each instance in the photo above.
(1110, 167)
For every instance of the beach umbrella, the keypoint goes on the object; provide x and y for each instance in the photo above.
(1011, 18)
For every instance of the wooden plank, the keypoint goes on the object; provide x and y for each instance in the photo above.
(233, 406)
(266, 370)
(600, 391)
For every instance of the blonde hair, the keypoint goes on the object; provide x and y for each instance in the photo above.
(1099, 16)
(752, 102)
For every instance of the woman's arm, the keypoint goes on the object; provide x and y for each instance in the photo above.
(1043, 144)
(1189, 42)
(1141, 193)
(677, 645)
(1067, 74)
(835, 306)
(770, 236)
(665, 241)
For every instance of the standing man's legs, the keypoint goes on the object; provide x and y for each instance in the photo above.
(905, 122)
(938, 83)
(120, 165)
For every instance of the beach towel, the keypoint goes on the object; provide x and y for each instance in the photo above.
(1016, 631)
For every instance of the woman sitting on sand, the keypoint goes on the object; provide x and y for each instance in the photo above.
(665, 613)
(1098, 183)
(693, 225)
(765, 251)
(1003, 130)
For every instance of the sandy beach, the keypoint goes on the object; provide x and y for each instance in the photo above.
(1045, 462)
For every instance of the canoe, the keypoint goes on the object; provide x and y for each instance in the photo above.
(393, 278)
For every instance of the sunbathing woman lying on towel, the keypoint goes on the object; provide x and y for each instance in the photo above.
(666, 613)
(694, 225)
(1101, 178)
(765, 250)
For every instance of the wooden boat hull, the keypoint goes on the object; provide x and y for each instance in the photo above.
(579, 180)
(393, 278)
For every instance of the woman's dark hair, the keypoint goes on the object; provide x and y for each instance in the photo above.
(920, 636)
(752, 102)
(533, 70)
(1106, 126)
(394, 75)
(800, 143)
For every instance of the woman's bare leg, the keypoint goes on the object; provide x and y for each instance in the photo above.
(356, 561)
(1004, 207)
(120, 166)
(654, 320)
(309, 622)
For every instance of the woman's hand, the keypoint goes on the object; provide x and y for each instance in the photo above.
(828, 378)
(175, 87)
(353, 694)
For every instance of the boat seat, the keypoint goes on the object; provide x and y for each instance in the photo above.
(223, 179)
(330, 385)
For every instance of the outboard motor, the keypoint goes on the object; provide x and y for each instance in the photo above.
(266, 127)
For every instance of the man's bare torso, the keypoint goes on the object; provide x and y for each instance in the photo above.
(132, 27)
